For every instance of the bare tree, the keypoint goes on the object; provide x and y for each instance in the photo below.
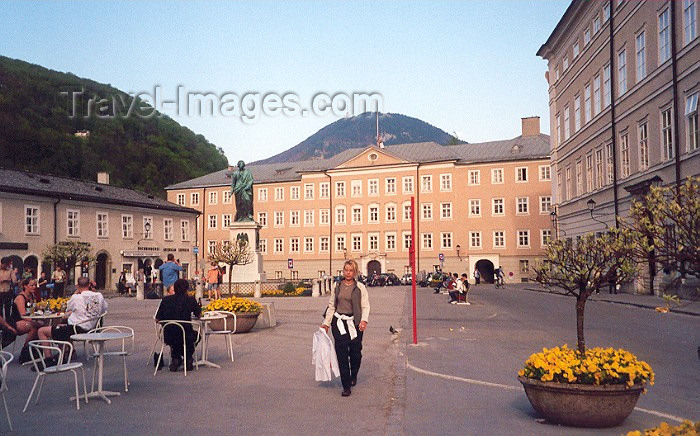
(69, 253)
(232, 253)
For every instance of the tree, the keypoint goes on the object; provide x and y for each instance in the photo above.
(667, 223)
(69, 253)
(586, 265)
(237, 253)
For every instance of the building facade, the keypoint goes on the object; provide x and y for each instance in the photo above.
(476, 205)
(126, 229)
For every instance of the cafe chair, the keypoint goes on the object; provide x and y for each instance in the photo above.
(126, 349)
(64, 352)
(228, 331)
(159, 339)
(177, 324)
(100, 323)
(5, 359)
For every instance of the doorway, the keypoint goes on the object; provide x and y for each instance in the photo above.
(485, 268)
(101, 270)
(373, 267)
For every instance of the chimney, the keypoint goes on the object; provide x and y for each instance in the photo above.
(103, 178)
(531, 126)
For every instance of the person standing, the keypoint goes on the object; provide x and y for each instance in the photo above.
(347, 315)
(213, 277)
(477, 276)
(170, 271)
(43, 290)
(6, 279)
(59, 281)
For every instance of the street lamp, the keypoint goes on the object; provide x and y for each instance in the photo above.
(146, 231)
(553, 217)
(458, 248)
(591, 206)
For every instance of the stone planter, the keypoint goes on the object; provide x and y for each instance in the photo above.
(580, 405)
(244, 322)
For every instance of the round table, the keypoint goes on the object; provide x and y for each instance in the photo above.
(48, 318)
(205, 319)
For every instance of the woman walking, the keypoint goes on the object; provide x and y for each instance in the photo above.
(347, 315)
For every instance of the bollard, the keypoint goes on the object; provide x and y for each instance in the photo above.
(139, 290)
(198, 290)
(316, 288)
(257, 293)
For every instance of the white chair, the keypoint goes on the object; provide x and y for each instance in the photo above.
(228, 330)
(126, 349)
(179, 324)
(5, 359)
(37, 349)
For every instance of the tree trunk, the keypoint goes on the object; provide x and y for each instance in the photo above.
(230, 276)
(580, 306)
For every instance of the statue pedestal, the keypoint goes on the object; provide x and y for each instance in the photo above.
(252, 272)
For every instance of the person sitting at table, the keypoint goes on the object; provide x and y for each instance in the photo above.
(19, 318)
(7, 332)
(179, 307)
(84, 309)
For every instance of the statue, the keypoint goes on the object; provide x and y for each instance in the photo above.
(242, 189)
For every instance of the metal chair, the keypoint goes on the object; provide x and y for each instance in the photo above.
(227, 331)
(126, 349)
(5, 359)
(37, 349)
(180, 324)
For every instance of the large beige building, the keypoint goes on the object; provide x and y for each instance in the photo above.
(482, 205)
(126, 229)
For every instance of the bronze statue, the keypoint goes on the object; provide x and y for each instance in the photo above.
(242, 189)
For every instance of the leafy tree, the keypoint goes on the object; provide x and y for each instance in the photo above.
(69, 253)
(586, 265)
(237, 253)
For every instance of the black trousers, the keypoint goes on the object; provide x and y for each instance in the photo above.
(349, 352)
(58, 290)
(173, 338)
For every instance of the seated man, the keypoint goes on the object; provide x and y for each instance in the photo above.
(84, 308)
(179, 307)
(457, 289)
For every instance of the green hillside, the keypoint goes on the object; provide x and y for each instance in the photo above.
(37, 133)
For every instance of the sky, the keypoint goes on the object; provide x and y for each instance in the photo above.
(466, 67)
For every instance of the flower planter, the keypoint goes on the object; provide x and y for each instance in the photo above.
(581, 405)
(244, 322)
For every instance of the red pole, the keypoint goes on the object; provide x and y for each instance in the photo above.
(412, 262)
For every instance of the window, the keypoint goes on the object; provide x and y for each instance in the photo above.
(308, 191)
(445, 211)
(610, 163)
(324, 244)
(325, 190)
(545, 237)
(558, 120)
(556, 73)
(499, 239)
(226, 220)
(667, 135)
(211, 247)
(577, 113)
(213, 197)
(373, 241)
(568, 183)
(498, 206)
(576, 49)
(407, 185)
(664, 37)
(622, 72)
(624, 156)
(390, 186)
(521, 174)
(279, 245)
(427, 241)
(180, 199)
(406, 240)
(445, 182)
(194, 199)
(559, 185)
(599, 168)
(474, 177)
(567, 126)
(340, 215)
(426, 211)
(308, 244)
(545, 173)
(475, 240)
(579, 177)
(589, 172)
(356, 188)
(168, 229)
(586, 37)
(596, 24)
(294, 245)
(102, 225)
(279, 218)
(606, 12)
(263, 246)
(148, 234)
(496, 176)
(587, 102)
(280, 274)
(262, 194)
(522, 205)
(643, 146)
(226, 197)
(445, 240)
(391, 213)
(357, 214)
(407, 211)
(426, 184)
(691, 113)
(524, 266)
(294, 218)
(565, 63)
(606, 86)
(545, 204)
(279, 194)
(127, 226)
(640, 45)
(324, 218)
(390, 241)
(475, 207)
(294, 193)
(309, 218)
(373, 187)
(73, 222)
(523, 238)
(185, 230)
(689, 21)
(340, 189)
(262, 219)
(373, 213)
(596, 95)
(212, 221)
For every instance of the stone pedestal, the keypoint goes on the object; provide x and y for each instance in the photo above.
(253, 271)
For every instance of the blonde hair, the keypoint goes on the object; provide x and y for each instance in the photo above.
(354, 266)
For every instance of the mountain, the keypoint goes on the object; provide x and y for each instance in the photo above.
(42, 131)
(359, 132)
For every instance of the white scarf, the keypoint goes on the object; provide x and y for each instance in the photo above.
(351, 325)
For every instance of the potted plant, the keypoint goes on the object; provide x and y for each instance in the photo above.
(247, 312)
(586, 387)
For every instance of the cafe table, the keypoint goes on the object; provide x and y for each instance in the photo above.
(50, 319)
(98, 340)
(205, 319)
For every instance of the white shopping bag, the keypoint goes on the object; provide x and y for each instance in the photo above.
(323, 357)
